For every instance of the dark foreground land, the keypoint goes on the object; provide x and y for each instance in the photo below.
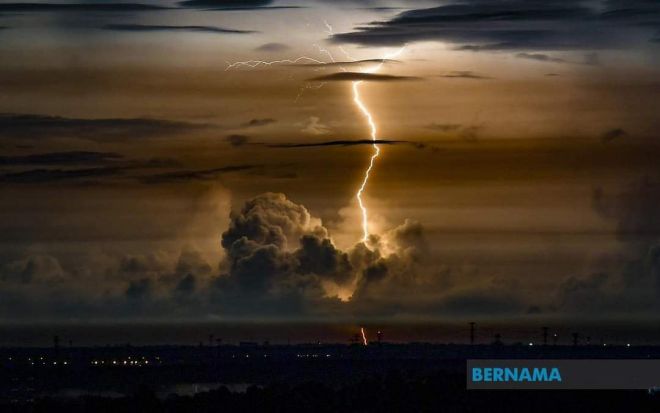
(320, 378)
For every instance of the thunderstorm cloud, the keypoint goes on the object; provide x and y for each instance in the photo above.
(480, 25)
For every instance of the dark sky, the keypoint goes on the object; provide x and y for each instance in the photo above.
(147, 173)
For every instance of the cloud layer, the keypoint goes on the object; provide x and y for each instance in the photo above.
(516, 25)
(30, 126)
(166, 28)
(279, 261)
(358, 76)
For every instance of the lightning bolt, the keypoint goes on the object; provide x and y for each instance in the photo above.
(252, 64)
(364, 336)
(357, 99)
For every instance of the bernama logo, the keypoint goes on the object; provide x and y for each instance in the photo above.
(515, 374)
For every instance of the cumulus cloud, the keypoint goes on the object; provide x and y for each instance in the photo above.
(318, 255)
(393, 263)
(279, 261)
(277, 251)
(98, 286)
(281, 257)
(34, 269)
(270, 219)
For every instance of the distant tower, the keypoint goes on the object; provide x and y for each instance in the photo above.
(545, 336)
(554, 339)
(472, 326)
(576, 336)
(379, 336)
(211, 340)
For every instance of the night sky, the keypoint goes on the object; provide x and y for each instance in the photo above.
(146, 175)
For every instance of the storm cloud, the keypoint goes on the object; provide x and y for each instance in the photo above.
(279, 261)
(277, 250)
(515, 25)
